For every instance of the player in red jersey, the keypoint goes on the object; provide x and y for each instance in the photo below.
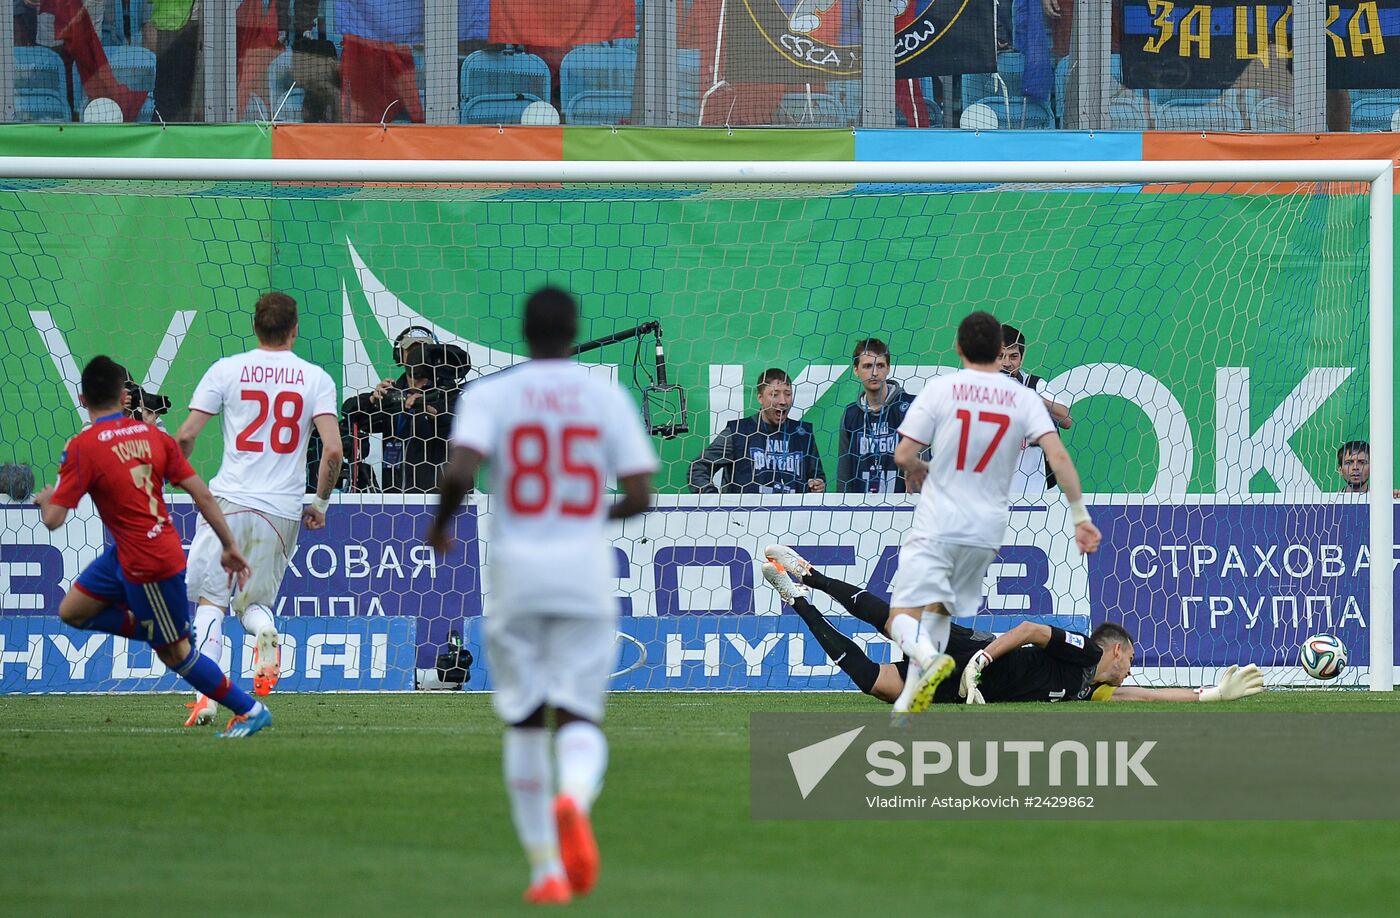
(136, 588)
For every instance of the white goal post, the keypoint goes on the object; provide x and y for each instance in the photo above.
(1375, 174)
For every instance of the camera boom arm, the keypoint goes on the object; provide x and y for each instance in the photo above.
(660, 388)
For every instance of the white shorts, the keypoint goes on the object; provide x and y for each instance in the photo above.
(562, 661)
(267, 542)
(943, 572)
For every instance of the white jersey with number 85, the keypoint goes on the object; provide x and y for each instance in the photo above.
(977, 423)
(268, 400)
(554, 437)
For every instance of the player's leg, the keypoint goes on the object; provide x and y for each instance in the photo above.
(208, 637)
(841, 650)
(208, 588)
(513, 650)
(581, 656)
(864, 605)
(918, 621)
(161, 607)
(96, 601)
(268, 543)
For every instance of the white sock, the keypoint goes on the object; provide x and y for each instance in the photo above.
(255, 618)
(527, 769)
(209, 633)
(581, 752)
(916, 646)
(936, 626)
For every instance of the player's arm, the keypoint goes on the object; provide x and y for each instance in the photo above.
(1086, 534)
(232, 559)
(453, 486)
(636, 496)
(189, 431)
(1024, 633)
(332, 456)
(52, 513)
(1236, 682)
(908, 456)
(57, 499)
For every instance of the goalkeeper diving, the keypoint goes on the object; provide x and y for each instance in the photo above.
(1031, 662)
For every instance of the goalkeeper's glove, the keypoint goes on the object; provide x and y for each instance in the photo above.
(1235, 683)
(972, 676)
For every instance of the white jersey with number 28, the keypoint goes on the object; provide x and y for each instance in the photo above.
(554, 437)
(268, 400)
(976, 422)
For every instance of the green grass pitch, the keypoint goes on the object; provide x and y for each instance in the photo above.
(393, 805)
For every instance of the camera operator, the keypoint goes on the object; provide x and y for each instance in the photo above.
(141, 405)
(413, 413)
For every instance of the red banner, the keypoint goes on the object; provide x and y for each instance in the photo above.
(561, 24)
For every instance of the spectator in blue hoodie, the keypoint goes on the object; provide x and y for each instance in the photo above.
(765, 453)
(869, 425)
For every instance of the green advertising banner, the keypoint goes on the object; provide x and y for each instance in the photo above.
(1206, 344)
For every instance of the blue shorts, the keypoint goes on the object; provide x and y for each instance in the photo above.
(161, 608)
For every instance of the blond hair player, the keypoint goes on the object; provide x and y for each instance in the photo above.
(270, 399)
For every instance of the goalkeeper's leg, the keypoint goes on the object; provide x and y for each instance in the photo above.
(874, 679)
(864, 605)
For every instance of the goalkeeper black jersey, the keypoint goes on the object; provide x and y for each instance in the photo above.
(1061, 671)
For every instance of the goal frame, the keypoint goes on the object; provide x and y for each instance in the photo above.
(1376, 174)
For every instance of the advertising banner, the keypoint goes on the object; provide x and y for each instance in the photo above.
(1200, 586)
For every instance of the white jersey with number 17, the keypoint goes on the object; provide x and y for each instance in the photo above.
(268, 400)
(554, 437)
(976, 422)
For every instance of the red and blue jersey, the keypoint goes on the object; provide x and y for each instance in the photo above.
(124, 464)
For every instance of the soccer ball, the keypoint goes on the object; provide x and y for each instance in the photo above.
(1323, 656)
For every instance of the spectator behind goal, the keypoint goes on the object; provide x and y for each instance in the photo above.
(764, 453)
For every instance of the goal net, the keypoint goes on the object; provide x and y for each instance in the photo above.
(1210, 343)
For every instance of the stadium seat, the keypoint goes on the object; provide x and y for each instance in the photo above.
(847, 96)
(1198, 96)
(1057, 100)
(688, 85)
(41, 105)
(1127, 108)
(1270, 113)
(135, 68)
(40, 70)
(504, 73)
(1011, 67)
(1372, 109)
(595, 82)
(1127, 112)
(1200, 114)
(495, 108)
(1020, 114)
(801, 109)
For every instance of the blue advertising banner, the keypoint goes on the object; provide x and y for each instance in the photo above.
(370, 560)
(1215, 585)
(1201, 585)
(41, 654)
(735, 652)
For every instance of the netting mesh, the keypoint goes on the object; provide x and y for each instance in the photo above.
(1209, 343)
